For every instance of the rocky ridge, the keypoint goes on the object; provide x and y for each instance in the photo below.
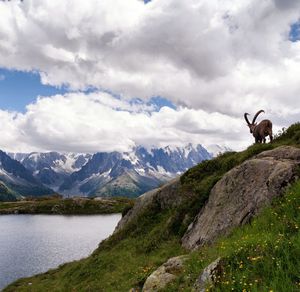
(242, 193)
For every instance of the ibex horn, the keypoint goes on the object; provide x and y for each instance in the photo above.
(256, 115)
(245, 116)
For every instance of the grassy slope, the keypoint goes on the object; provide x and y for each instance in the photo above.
(128, 257)
(78, 206)
(261, 256)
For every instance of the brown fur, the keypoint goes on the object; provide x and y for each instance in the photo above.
(260, 131)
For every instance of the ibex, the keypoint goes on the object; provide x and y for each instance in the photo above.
(260, 131)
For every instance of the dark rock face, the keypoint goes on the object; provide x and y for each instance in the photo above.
(38, 161)
(242, 193)
(51, 168)
(17, 180)
(48, 176)
(15, 168)
(6, 194)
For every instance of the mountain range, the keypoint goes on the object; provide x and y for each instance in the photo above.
(105, 173)
(17, 181)
(51, 168)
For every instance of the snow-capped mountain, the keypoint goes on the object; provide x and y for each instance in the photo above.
(215, 149)
(111, 174)
(132, 173)
(17, 181)
(52, 168)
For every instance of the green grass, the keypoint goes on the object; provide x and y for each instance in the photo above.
(261, 256)
(76, 206)
(126, 259)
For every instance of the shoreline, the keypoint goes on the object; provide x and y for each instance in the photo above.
(69, 206)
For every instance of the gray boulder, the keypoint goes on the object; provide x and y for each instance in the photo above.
(242, 193)
(167, 196)
(165, 274)
(208, 276)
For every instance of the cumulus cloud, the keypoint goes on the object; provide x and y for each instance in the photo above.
(78, 122)
(286, 4)
(215, 59)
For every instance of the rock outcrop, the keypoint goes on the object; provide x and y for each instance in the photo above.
(166, 197)
(242, 193)
(209, 275)
(165, 274)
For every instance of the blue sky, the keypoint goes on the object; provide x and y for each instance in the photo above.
(295, 32)
(18, 89)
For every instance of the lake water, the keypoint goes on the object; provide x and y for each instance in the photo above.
(32, 244)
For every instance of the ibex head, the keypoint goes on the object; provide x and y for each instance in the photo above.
(253, 124)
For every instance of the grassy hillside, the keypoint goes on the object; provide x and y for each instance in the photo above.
(261, 256)
(74, 206)
(128, 257)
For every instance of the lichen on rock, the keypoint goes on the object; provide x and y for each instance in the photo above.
(165, 274)
(209, 276)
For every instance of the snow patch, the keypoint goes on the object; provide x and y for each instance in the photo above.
(34, 156)
(130, 156)
(68, 166)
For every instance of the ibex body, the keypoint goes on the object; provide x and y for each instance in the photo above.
(260, 131)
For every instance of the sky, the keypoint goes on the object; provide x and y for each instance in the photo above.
(88, 76)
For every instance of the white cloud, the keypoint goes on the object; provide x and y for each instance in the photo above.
(88, 123)
(215, 59)
(195, 53)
